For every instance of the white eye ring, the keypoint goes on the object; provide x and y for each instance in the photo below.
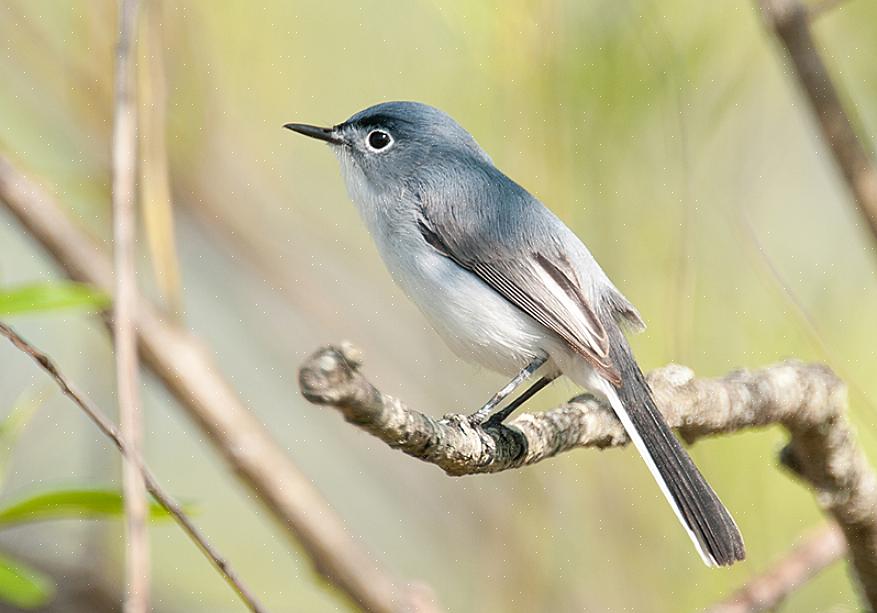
(379, 140)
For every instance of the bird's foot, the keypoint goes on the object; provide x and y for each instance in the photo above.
(482, 417)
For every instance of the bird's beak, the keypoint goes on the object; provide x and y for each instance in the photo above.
(330, 135)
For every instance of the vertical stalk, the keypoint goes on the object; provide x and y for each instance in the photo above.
(124, 169)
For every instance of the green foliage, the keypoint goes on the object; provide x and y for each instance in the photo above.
(35, 297)
(22, 586)
(70, 504)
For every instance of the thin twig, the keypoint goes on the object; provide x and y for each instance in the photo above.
(807, 399)
(124, 180)
(790, 20)
(766, 591)
(164, 499)
(809, 321)
(185, 367)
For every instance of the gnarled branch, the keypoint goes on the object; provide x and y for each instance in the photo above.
(809, 400)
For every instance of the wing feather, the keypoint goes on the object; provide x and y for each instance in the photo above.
(543, 285)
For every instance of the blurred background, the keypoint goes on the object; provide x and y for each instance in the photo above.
(668, 135)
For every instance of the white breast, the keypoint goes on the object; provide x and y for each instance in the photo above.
(478, 324)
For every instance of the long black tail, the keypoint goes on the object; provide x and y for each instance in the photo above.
(705, 518)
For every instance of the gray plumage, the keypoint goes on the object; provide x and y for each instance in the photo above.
(503, 281)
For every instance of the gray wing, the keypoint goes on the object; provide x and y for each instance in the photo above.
(517, 247)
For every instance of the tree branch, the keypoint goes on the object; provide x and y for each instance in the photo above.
(765, 592)
(790, 21)
(807, 399)
(182, 363)
(109, 429)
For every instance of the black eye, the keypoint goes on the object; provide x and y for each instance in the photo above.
(378, 139)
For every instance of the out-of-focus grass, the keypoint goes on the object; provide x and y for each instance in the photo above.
(155, 189)
(651, 128)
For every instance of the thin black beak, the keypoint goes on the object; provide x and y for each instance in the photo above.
(327, 134)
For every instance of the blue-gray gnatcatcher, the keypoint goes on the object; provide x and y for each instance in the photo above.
(509, 286)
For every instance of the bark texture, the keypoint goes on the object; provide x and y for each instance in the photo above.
(809, 400)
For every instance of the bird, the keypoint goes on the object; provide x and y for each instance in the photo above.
(509, 287)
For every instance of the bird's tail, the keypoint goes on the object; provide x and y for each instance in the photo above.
(702, 514)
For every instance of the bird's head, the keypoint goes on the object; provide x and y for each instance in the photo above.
(392, 142)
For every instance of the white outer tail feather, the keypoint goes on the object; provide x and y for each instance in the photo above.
(621, 412)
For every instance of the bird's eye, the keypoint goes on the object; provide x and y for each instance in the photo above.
(378, 139)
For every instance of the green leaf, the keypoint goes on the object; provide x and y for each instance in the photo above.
(70, 504)
(22, 586)
(36, 297)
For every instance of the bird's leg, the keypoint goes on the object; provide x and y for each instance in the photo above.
(500, 416)
(480, 416)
